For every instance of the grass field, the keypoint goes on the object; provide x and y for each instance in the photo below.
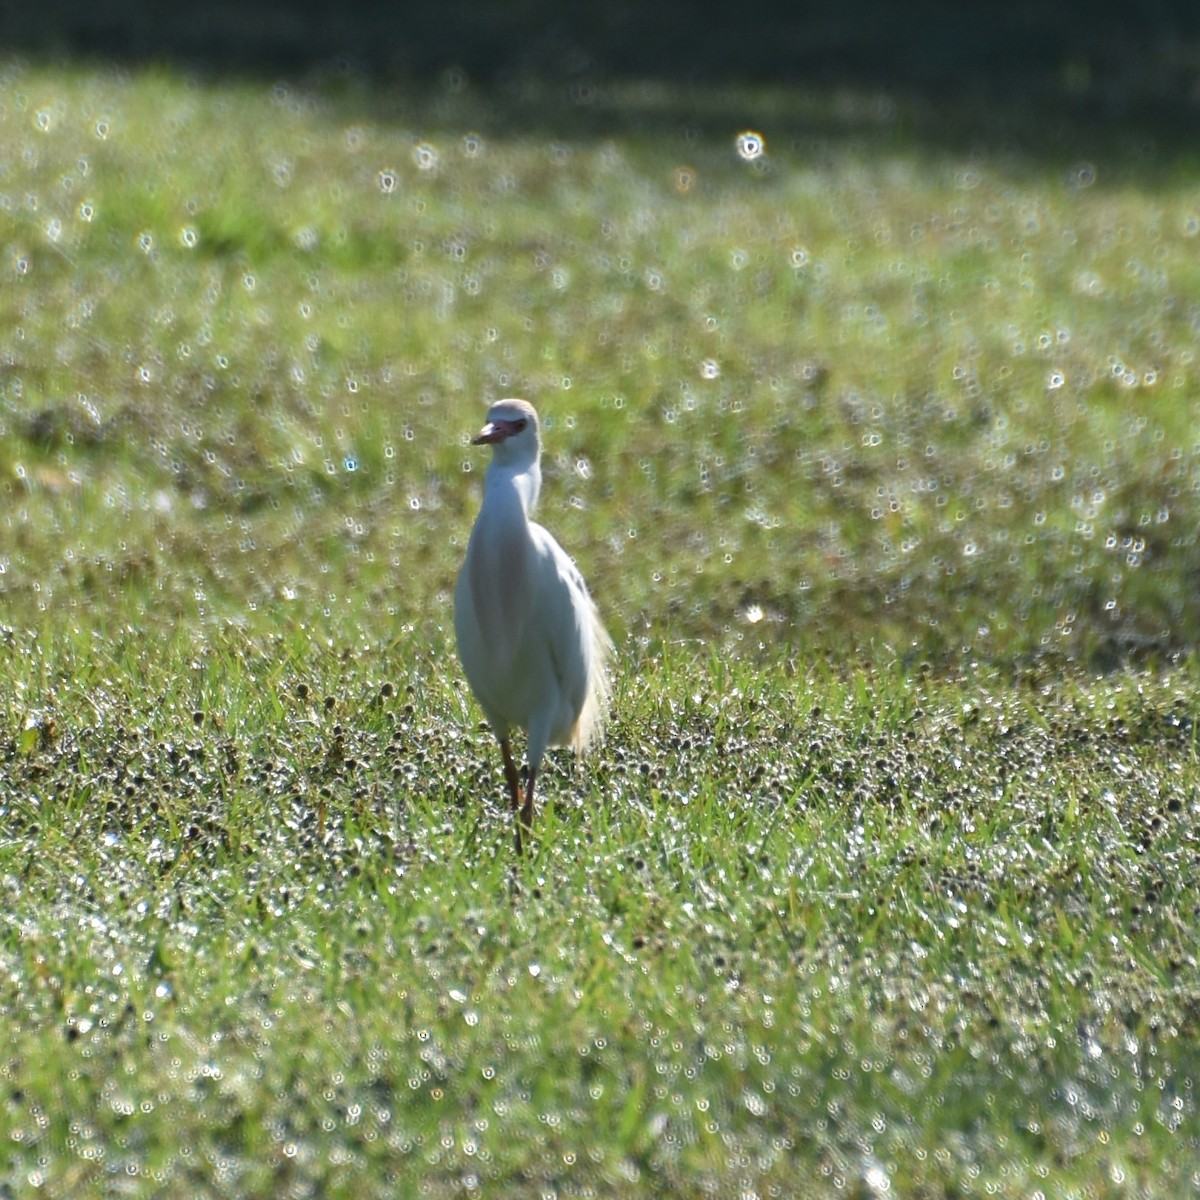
(881, 461)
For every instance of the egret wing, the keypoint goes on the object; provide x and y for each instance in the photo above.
(578, 645)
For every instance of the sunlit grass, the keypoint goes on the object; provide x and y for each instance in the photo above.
(862, 926)
(873, 457)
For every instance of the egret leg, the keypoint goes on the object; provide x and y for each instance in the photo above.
(510, 774)
(527, 809)
(514, 789)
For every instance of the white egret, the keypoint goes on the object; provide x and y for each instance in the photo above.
(529, 637)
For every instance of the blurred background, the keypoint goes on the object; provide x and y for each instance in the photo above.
(1099, 61)
(913, 365)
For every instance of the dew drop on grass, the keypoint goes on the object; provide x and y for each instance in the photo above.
(750, 145)
(1082, 176)
(425, 157)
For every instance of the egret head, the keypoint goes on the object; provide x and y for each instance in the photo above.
(511, 431)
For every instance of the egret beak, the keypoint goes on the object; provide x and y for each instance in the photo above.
(495, 431)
